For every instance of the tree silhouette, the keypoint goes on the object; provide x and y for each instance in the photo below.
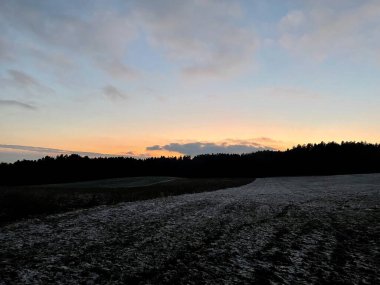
(310, 159)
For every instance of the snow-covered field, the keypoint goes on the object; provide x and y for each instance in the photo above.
(311, 230)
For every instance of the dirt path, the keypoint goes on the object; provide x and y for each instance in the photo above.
(313, 230)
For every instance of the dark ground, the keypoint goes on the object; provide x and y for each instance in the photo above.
(20, 202)
(305, 230)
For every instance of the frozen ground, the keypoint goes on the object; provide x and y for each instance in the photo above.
(125, 182)
(313, 230)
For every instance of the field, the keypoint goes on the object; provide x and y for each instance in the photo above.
(22, 202)
(300, 230)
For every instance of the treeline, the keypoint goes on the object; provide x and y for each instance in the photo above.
(311, 159)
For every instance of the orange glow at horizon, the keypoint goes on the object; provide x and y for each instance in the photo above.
(278, 135)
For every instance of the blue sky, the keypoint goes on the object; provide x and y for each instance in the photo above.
(123, 77)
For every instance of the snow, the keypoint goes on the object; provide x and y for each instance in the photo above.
(292, 230)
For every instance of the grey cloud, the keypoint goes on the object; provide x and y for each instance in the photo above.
(348, 28)
(51, 61)
(12, 156)
(17, 79)
(22, 78)
(117, 69)
(103, 33)
(154, 147)
(32, 148)
(293, 20)
(14, 103)
(136, 155)
(197, 148)
(58, 24)
(288, 93)
(113, 93)
(267, 140)
(204, 37)
(11, 153)
(6, 50)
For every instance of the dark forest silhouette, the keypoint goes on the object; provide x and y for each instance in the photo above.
(311, 159)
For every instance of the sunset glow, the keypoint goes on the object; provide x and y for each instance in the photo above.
(152, 78)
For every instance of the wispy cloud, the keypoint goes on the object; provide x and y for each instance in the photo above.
(292, 21)
(11, 153)
(203, 38)
(117, 69)
(350, 28)
(136, 155)
(48, 150)
(206, 38)
(265, 142)
(113, 93)
(22, 78)
(58, 29)
(5, 50)
(196, 148)
(288, 93)
(18, 79)
(14, 103)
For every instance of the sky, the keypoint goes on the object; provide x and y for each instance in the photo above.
(150, 78)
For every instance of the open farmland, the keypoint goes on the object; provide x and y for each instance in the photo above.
(20, 202)
(125, 182)
(306, 230)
